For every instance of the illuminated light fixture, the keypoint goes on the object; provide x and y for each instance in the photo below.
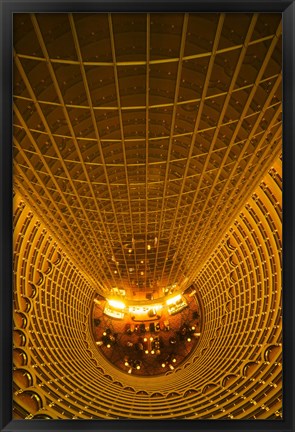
(116, 304)
(146, 351)
(129, 250)
(152, 352)
(145, 339)
(108, 346)
(197, 334)
(142, 273)
(193, 328)
(173, 299)
(171, 367)
(149, 247)
(163, 364)
(174, 360)
(151, 338)
(126, 363)
(104, 334)
(188, 339)
(138, 367)
(115, 272)
(130, 370)
(141, 262)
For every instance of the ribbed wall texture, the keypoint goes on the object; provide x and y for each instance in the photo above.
(138, 137)
(236, 369)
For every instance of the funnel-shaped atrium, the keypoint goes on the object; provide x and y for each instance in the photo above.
(147, 216)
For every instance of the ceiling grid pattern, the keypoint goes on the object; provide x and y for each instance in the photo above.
(139, 131)
(235, 371)
(147, 157)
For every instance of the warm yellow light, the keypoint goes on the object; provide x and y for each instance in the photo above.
(174, 360)
(129, 250)
(146, 351)
(108, 346)
(138, 367)
(141, 273)
(140, 309)
(137, 309)
(173, 299)
(152, 352)
(116, 304)
(126, 363)
(149, 247)
(163, 365)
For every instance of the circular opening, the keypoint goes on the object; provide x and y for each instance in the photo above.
(147, 340)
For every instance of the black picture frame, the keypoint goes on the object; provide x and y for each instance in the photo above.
(7, 8)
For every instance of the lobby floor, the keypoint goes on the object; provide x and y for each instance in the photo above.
(148, 347)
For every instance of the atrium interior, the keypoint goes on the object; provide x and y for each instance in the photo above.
(147, 207)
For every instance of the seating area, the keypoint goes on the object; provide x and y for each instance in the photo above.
(147, 348)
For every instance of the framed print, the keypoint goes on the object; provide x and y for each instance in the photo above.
(147, 222)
